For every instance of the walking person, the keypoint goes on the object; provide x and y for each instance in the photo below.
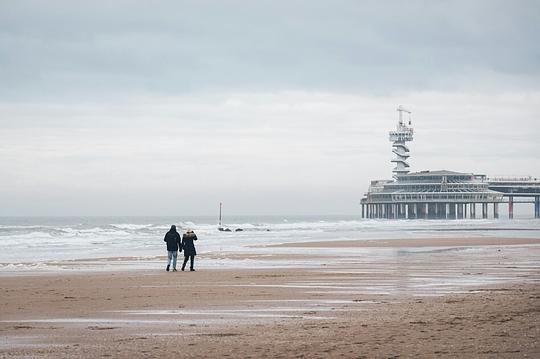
(173, 245)
(189, 249)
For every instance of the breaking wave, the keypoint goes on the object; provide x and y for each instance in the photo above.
(41, 239)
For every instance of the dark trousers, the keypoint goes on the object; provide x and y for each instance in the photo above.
(192, 260)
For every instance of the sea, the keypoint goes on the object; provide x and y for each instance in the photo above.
(46, 243)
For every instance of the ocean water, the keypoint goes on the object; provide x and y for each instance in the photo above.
(37, 240)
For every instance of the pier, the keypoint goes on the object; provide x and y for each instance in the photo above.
(525, 189)
(442, 194)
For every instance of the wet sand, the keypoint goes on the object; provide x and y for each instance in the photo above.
(483, 302)
(418, 242)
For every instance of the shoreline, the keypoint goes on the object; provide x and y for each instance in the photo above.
(281, 255)
(414, 242)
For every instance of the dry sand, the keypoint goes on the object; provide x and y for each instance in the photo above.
(435, 304)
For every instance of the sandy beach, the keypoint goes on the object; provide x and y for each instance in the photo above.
(429, 301)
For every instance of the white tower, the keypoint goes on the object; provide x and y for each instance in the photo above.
(402, 134)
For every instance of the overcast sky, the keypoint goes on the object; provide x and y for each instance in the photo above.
(273, 107)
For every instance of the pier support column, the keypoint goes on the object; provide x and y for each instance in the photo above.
(484, 210)
(473, 210)
(446, 210)
(537, 207)
(407, 211)
(362, 211)
(465, 210)
(511, 207)
(460, 210)
(495, 210)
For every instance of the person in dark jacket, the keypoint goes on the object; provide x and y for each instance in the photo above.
(189, 249)
(173, 245)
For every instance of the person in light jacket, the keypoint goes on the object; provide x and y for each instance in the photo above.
(173, 245)
(189, 249)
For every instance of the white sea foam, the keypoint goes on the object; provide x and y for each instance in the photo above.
(41, 240)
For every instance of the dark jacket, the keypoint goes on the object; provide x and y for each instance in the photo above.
(173, 241)
(187, 244)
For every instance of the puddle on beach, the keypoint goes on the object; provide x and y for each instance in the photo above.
(238, 314)
(187, 317)
(24, 342)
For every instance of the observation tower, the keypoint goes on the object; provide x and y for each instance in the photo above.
(402, 134)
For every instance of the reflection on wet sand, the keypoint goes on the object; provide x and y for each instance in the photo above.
(365, 299)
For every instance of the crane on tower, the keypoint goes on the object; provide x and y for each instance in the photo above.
(400, 109)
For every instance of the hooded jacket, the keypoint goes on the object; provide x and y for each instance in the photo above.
(173, 240)
(188, 245)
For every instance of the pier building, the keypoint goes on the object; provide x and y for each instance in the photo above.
(441, 194)
(431, 195)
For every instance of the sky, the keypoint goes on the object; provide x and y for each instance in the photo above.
(272, 107)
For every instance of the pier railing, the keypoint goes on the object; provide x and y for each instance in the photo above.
(513, 179)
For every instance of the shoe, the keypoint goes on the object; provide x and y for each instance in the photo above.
(192, 270)
(168, 266)
(174, 270)
(182, 269)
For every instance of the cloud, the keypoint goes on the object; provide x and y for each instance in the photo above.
(200, 149)
(133, 107)
(99, 49)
